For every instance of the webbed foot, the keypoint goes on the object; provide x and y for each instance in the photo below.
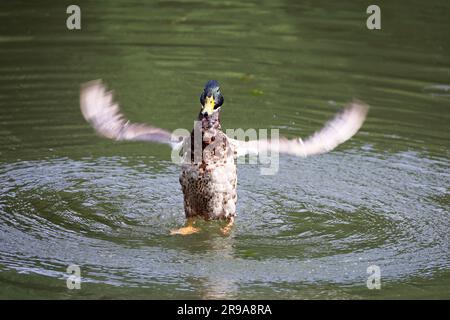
(186, 230)
(228, 227)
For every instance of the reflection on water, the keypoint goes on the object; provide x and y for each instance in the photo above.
(325, 222)
(311, 231)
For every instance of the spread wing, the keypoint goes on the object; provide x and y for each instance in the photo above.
(336, 131)
(103, 113)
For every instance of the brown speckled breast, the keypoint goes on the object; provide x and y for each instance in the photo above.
(209, 186)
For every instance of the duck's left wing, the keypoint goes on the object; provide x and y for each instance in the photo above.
(336, 131)
(103, 113)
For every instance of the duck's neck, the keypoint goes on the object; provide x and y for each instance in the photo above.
(210, 122)
(209, 128)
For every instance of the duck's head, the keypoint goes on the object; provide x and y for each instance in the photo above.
(211, 99)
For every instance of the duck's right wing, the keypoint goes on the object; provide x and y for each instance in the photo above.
(103, 113)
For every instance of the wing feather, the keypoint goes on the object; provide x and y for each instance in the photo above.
(103, 113)
(336, 131)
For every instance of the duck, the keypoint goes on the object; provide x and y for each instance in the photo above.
(207, 155)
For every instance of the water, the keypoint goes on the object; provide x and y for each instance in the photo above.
(311, 231)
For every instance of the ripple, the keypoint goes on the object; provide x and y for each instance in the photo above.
(317, 221)
(68, 197)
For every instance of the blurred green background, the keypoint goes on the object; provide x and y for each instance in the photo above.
(67, 196)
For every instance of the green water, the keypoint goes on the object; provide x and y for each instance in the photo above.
(310, 231)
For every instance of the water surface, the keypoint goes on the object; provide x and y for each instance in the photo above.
(310, 231)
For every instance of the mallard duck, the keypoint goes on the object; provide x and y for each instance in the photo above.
(208, 168)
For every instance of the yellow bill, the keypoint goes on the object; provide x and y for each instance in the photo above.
(208, 107)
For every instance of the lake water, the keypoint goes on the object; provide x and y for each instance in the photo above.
(310, 231)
